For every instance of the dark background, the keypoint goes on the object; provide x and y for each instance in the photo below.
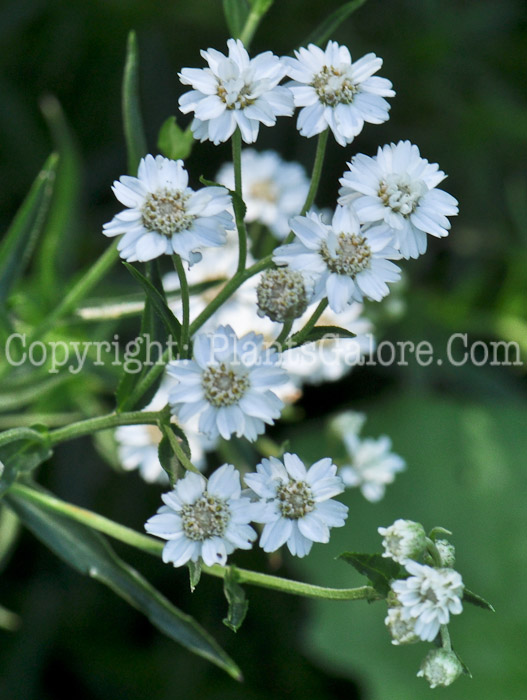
(458, 68)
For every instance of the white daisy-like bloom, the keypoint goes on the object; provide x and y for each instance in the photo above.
(398, 189)
(203, 519)
(429, 596)
(297, 503)
(403, 540)
(137, 445)
(228, 383)
(372, 466)
(334, 92)
(164, 215)
(273, 189)
(235, 91)
(346, 263)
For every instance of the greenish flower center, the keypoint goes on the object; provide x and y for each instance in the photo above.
(334, 87)
(352, 255)
(207, 517)
(164, 212)
(223, 386)
(295, 499)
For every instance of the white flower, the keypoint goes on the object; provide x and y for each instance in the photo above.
(273, 189)
(441, 667)
(398, 189)
(403, 540)
(164, 215)
(206, 520)
(228, 384)
(345, 262)
(137, 445)
(298, 505)
(372, 463)
(429, 596)
(235, 91)
(337, 93)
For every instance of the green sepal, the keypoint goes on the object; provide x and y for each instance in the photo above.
(326, 29)
(174, 142)
(438, 533)
(379, 570)
(89, 553)
(477, 600)
(238, 603)
(236, 13)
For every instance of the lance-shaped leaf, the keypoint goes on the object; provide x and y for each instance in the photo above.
(325, 333)
(236, 13)
(21, 237)
(379, 570)
(174, 142)
(90, 554)
(330, 25)
(238, 603)
(477, 600)
(132, 120)
(21, 451)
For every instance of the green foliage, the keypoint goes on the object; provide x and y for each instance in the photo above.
(321, 332)
(174, 142)
(236, 13)
(379, 570)
(329, 26)
(89, 553)
(21, 451)
(133, 121)
(238, 603)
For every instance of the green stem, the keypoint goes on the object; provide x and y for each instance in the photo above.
(80, 289)
(434, 552)
(185, 300)
(316, 172)
(304, 332)
(112, 420)
(286, 329)
(240, 223)
(152, 546)
(445, 638)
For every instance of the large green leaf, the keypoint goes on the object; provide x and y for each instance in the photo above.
(466, 470)
(90, 554)
(22, 236)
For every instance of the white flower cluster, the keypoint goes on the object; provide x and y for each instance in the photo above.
(208, 520)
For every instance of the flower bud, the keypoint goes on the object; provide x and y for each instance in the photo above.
(282, 294)
(440, 667)
(402, 630)
(403, 540)
(447, 552)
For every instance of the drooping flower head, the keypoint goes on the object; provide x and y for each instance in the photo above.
(297, 504)
(164, 215)
(336, 93)
(429, 596)
(345, 262)
(235, 91)
(398, 189)
(228, 384)
(273, 189)
(204, 520)
(403, 540)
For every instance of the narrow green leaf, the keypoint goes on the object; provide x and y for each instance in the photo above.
(236, 13)
(477, 600)
(261, 6)
(132, 119)
(56, 254)
(9, 621)
(168, 460)
(466, 670)
(238, 603)
(326, 29)
(194, 570)
(90, 554)
(172, 325)
(379, 570)
(22, 455)
(23, 396)
(438, 532)
(21, 237)
(9, 531)
(173, 142)
(326, 332)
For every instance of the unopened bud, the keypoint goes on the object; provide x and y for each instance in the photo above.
(403, 540)
(447, 552)
(440, 667)
(282, 294)
(402, 630)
